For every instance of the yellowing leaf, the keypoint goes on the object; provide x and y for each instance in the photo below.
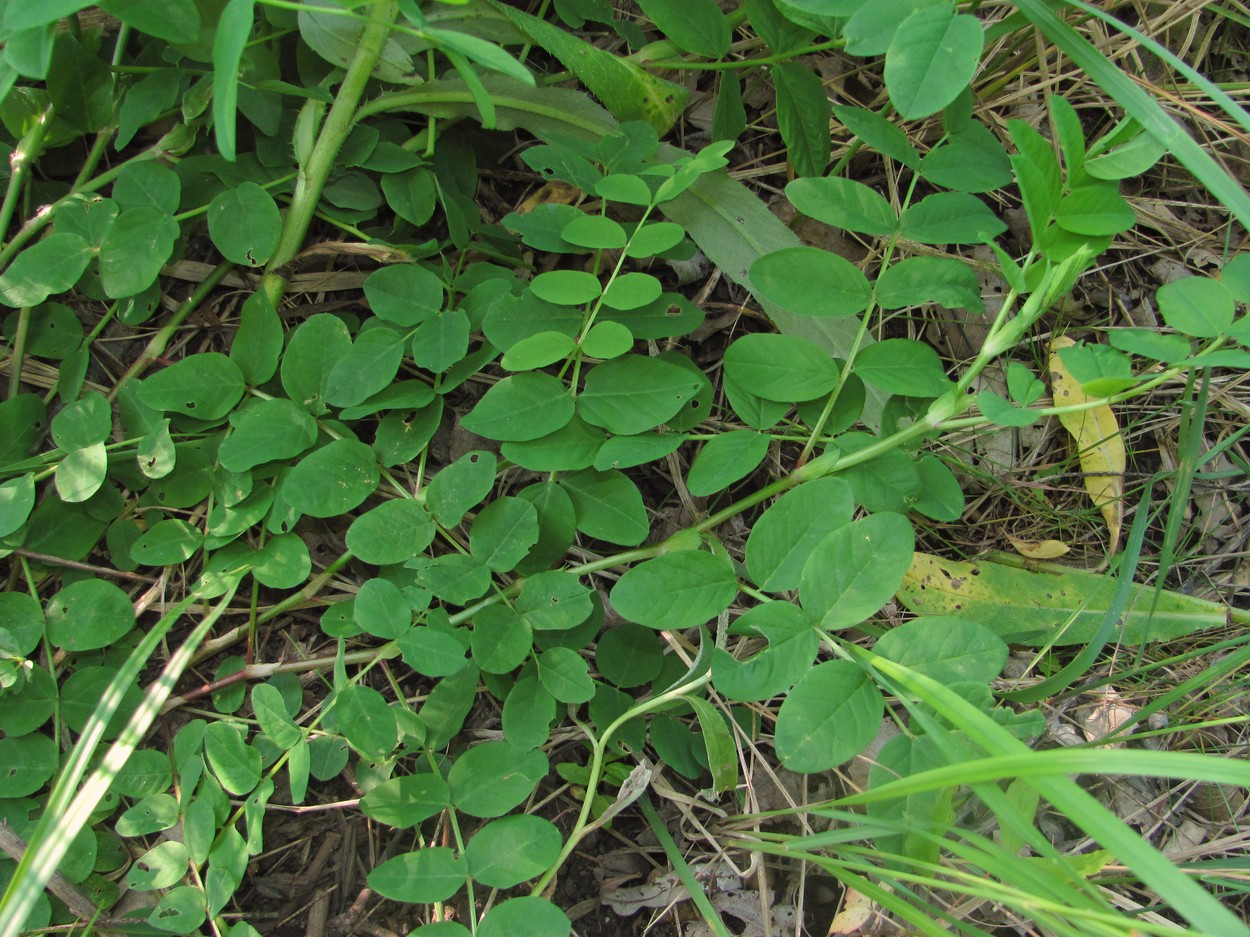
(1098, 442)
(1034, 607)
(1039, 549)
(553, 193)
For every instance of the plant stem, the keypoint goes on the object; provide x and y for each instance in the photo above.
(156, 347)
(19, 352)
(338, 123)
(27, 151)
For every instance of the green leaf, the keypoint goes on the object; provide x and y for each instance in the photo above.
(565, 674)
(89, 614)
(167, 542)
(406, 801)
(83, 422)
(843, 204)
(311, 353)
(393, 532)
(81, 473)
(150, 815)
(784, 536)
(607, 340)
(271, 713)
(729, 118)
(783, 368)
(411, 194)
(676, 590)
(48, 267)
(270, 430)
(365, 720)
(871, 28)
(234, 26)
(725, 459)
(460, 486)
(138, 244)
(441, 341)
(941, 495)
(566, 287)
(634, 393)
(17, 500)
(694, 26)
(506, 852)
(609, 506)
(501, 639)
(257, 344)
(628, 451)
(521, 407)
(554, 601)
(432, 874)
(594, 231)
(503, 533)
(792, 646)
(404, 294)
(903, 366)
(538, 351)
(802, 117)
(452, 577)
(629, 91)
(29, 761)
(947, 649)
(490, 779)
(1101, 371)
(569, 448)
(879, 133)
(381, 609)
(722, 753)
(972, 160)
(932, 57)
(914, 281)
(629, 655)
(854, 571)
(525, 917)
(236, 764)
(160, 867)
(1197, 306)
(527, 714)
(1127, 160)
(1150, 343)
(632, 291)
(654, 237)
(1094, 210)
(206, 386)
(333, 479)
(830, 716)
(367, 368)
(1037, 172)
(433, 652)
(245, 224)
(812, 282)
(175, 21)
(950, 218)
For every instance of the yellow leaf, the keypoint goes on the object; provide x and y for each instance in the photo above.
(1039, 549)
(1099, 444)
(553, 193)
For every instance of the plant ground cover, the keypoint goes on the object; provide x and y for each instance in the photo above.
(517, 468)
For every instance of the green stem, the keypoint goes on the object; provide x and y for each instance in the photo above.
(156, 347)
(28, 150)
(338, 123)
(19, 352)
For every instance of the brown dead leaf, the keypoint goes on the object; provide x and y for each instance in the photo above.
(553, 193)
(857, 911)
(1099, 444)
(1107, 716)
(1039, 549)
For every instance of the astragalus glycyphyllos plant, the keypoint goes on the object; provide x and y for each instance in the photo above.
(492, 412)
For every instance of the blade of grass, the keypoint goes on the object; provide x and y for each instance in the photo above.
(1155, 870)
(683, 870)
(1140, 106)
(68, 808)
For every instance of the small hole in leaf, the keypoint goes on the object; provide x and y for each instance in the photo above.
(673, 310)
(473, 458)
(190, 404)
